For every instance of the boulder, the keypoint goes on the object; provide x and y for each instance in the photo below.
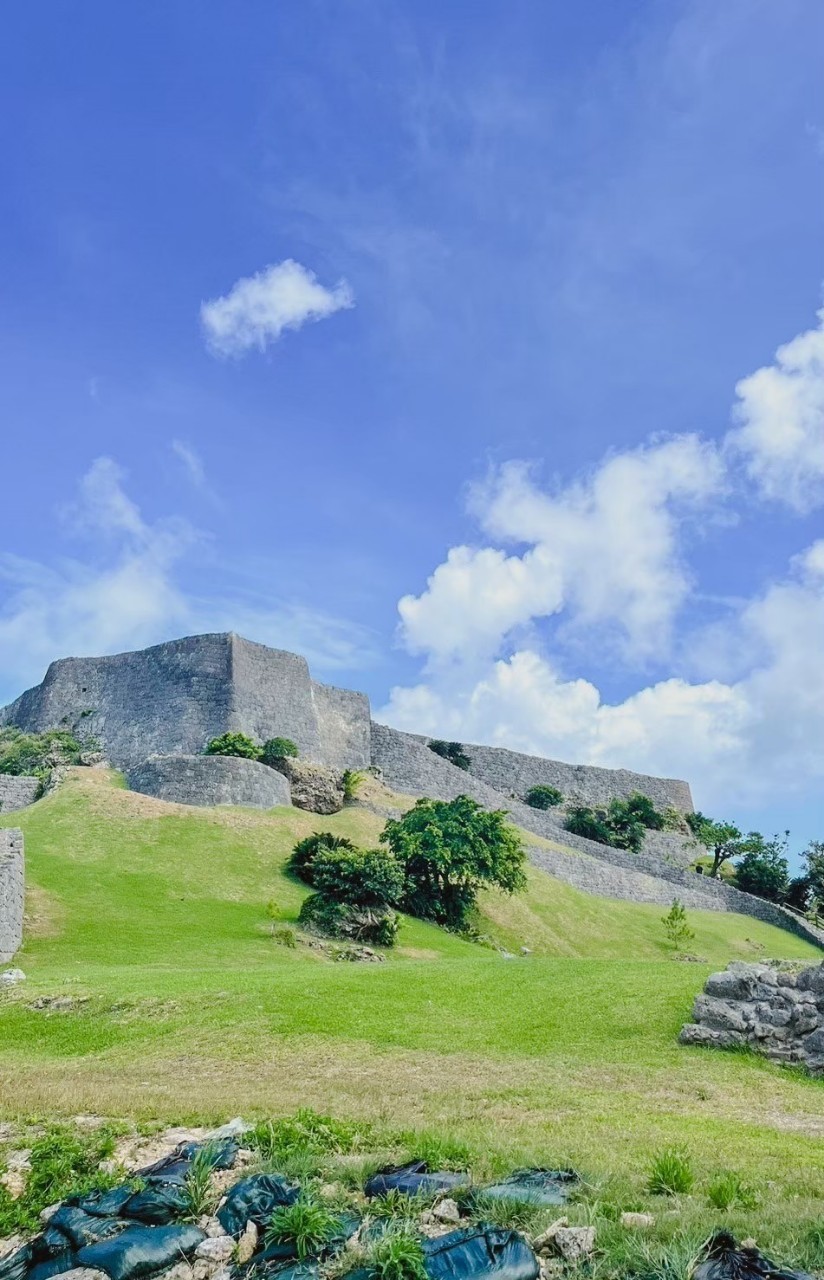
(313, 787)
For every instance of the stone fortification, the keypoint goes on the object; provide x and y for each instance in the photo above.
(171, 699)
(11, 892)
(513, 773)
(774, 1011)
(208, 780)
(17, 793)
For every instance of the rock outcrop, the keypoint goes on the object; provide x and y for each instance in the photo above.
(774, 1010)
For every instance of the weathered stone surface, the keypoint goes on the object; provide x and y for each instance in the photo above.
(637, 1220)
(216, 1248)
(18, 792)
(573, 1243)
(210, 780)
(758, 1009)
(312, 787)
(11, 893)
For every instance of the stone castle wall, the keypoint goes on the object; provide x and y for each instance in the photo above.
(208, 780)
(17, 793)
(172, 698)
(11, 892)
(513, 773)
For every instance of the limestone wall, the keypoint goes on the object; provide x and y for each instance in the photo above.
(210, 780)
(172, 698)
(513, 773)
(17, 793)
(775, 1011)
(11, 892)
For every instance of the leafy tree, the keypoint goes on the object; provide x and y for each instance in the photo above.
(302, 860)
(798, 893)
(233, 744)
(813, 859)
(451, 751)
(723, 839)
(590, 823)
(543, 797)
(275, 749)
(617, 825)
(362, 877)
(451, 849)
(764, 868)
(676, 925)
(644, 811)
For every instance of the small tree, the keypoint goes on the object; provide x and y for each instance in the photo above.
(233, 744)
(451, 849)
(813, 859)
(764, 868)
(798, 894)
(302, 861)
(451, 751)
(723, 839)
(362, 877)
(275, 749)
(543, 797)
(676, 926)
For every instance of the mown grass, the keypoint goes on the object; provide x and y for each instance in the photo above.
(154, 919)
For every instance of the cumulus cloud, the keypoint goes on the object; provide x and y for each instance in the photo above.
(257, 309)
(605, 549)
(780, 417)
(124, 592)
(736, 741)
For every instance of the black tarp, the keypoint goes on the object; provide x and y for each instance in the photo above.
(415, 1178)
(725, 1260)
(255, 1199)
(476, 1253)
(534, 1186)
(140, 1251)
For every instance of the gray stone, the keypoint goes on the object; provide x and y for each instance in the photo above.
(634, 1220)
(218, 1249)
(446, 1211)
(313, 787)
(18, 792)
(573, 1243)
(11, 892)
(720, 1015)
(210, 780)
(248, 1243)
(10, 977)
(694, 1034)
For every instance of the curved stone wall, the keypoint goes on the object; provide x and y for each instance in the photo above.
(18, 792)
(11, 892)
(210, 780)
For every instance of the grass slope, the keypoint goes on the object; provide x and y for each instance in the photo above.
(155, 917)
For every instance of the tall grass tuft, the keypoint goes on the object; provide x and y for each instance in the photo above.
(671, 1173)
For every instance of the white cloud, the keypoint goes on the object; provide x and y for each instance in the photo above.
(125, 594)
(192, 463)
(737, 741)
(780, 416)
(258, 308)
(604, 549)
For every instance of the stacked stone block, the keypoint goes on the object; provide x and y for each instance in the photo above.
(11, 892)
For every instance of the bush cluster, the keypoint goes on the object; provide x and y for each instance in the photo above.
(543, 797)
(240, 744)
(451, 751)
(622, 824)
(38, 753)
(432, 864)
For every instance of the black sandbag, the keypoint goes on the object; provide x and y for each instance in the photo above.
(480, 1252)
(412, 1179)
(157, 1204)
(272, 1257)
(140, 1251)
(255, 1199)
(724, 1260)
(104, 1204)
(16, 1265)
(81, 1229)
(534, 1186)
(48, 1244)
(55, 1266)
(177, 1166)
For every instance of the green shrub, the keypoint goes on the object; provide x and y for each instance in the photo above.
(352, 780)
(277, 749)
(728, 1191)
(306, 850)
(233, 744)
(642, 808)
(671, 1173)
(306, 1131)
(285, 937)
(617, 825)
(543, 797)
(451, 751)
(63, 1162)
(590, 823)
(308, 1223)
(38, 753)
(448, 851)
(200, 1198)
(362, 877)
(676, 927)
(373, 926)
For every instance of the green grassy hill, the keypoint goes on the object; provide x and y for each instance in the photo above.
(153, 918)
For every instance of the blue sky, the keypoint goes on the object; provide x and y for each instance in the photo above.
(530, 254)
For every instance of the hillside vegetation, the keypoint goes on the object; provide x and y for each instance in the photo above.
(152, 920)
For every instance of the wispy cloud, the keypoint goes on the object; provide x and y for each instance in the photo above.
(258, 308)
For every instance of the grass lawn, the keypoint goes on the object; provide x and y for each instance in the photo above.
(154, 917)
